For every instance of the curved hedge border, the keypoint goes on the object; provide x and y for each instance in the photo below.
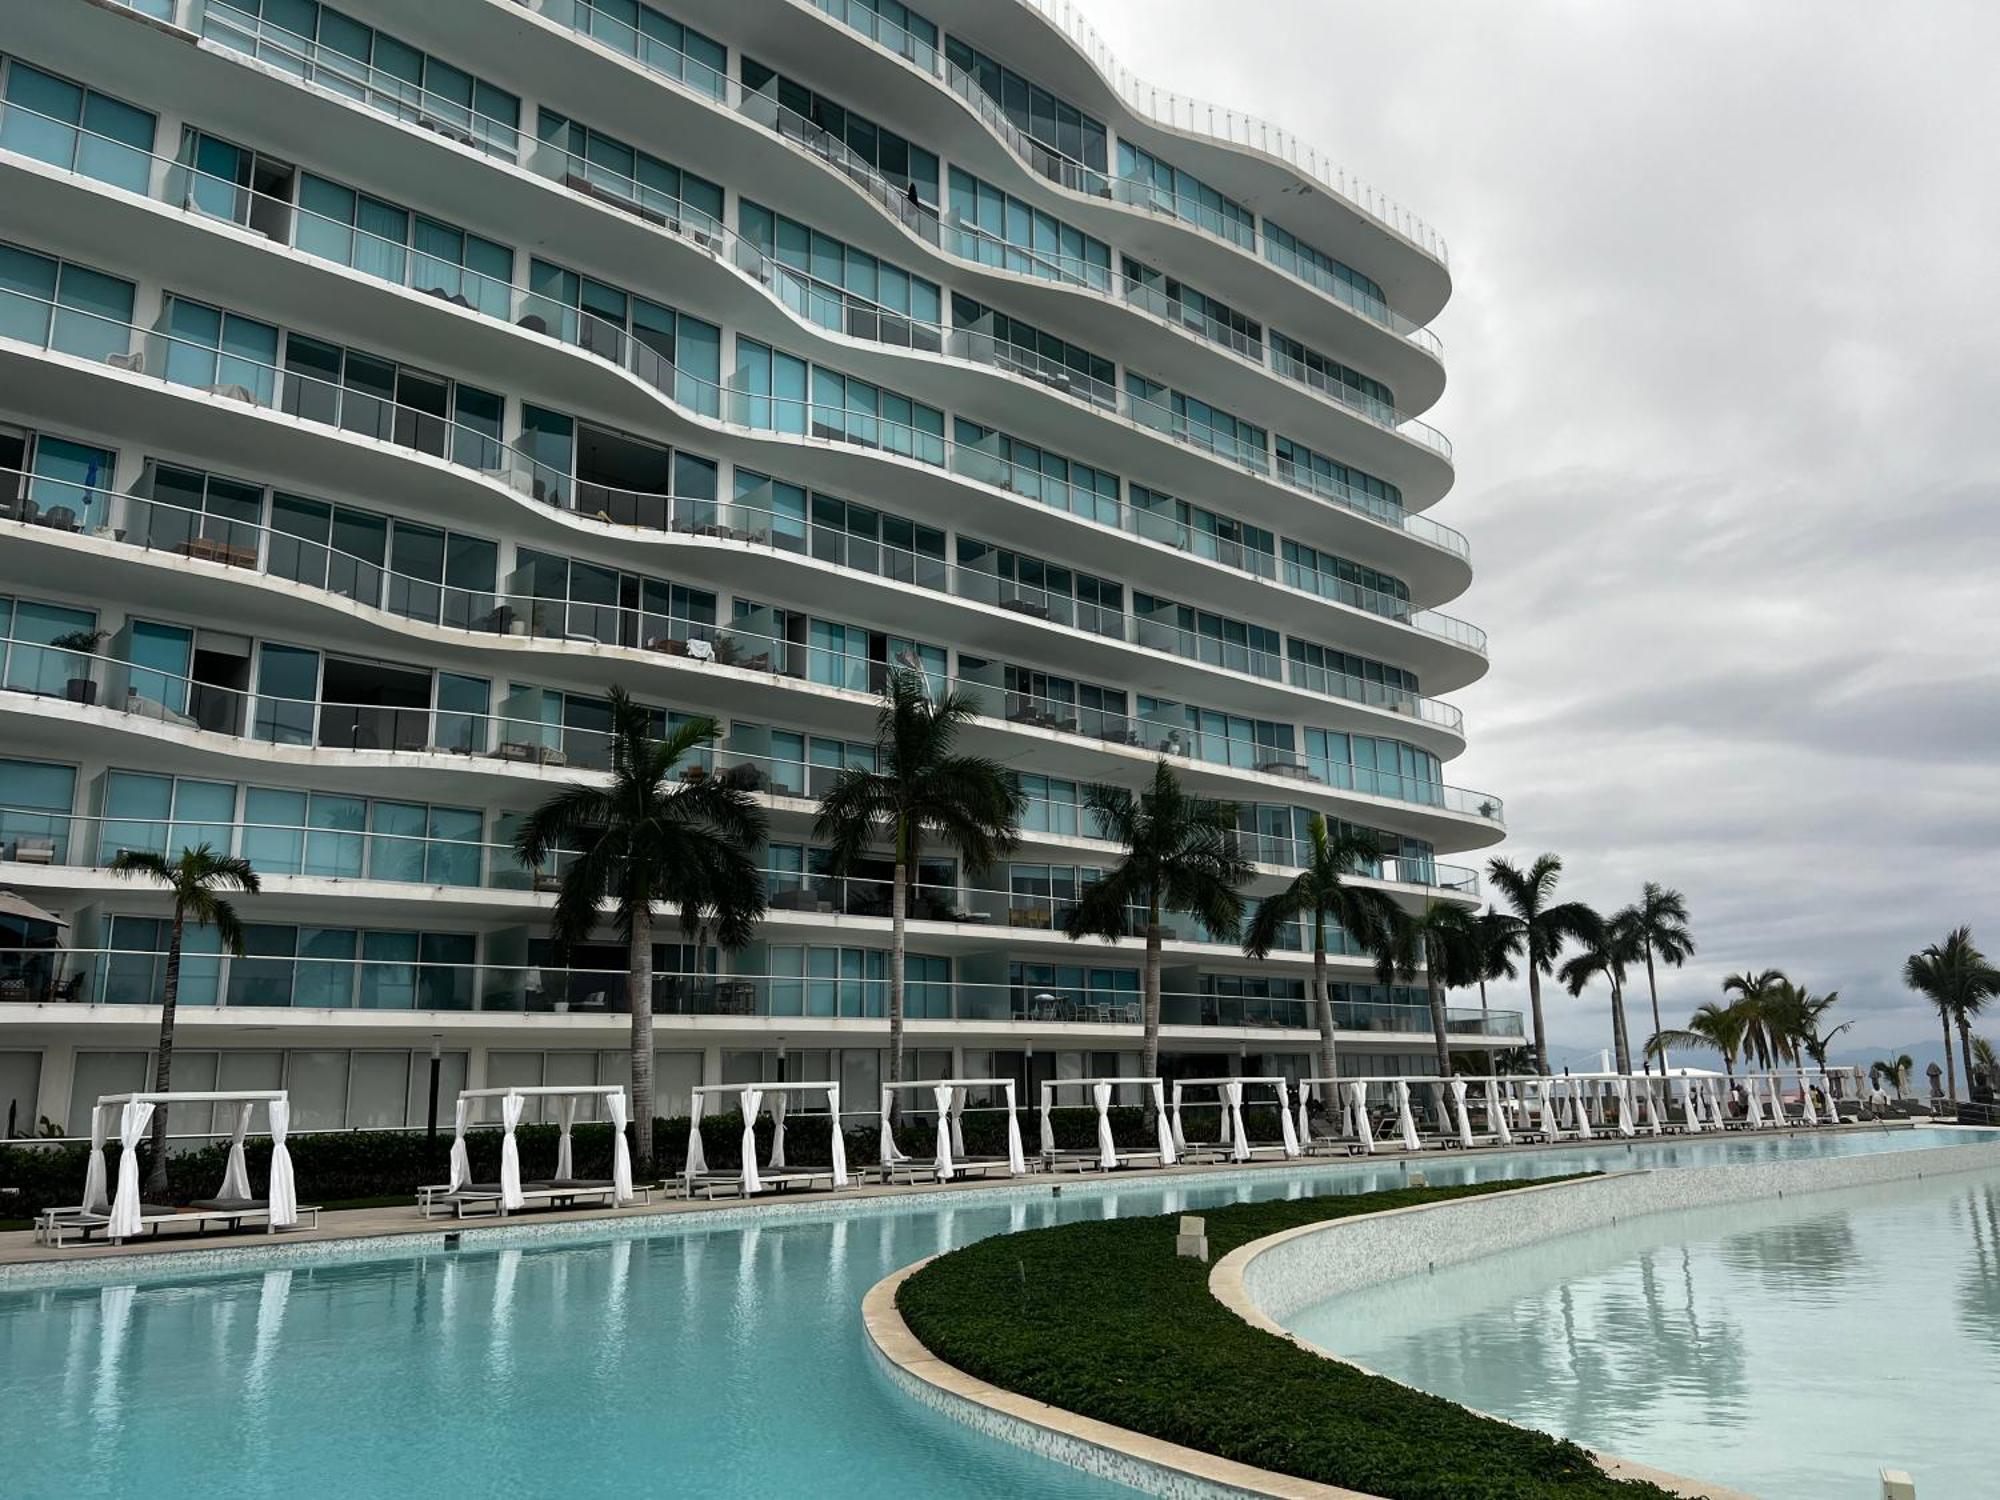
(1101, 1318)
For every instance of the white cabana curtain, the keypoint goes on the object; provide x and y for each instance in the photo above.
(1239, 1143)
(946, 1169)
(776, 1161)
(133, 1118)
(1753, 1107)
(697, 1159)
(565, 1155)
(1357, 1094)
(461, 1162)
(95, 1198)
(889, 1153)
(1649, 1103)
(1303, 1129)
(1458, 1104)
(1292, 1139)
(1016, 1163)
(958, 1098)
(1806, 1110)
(1622, 1090)
(838, 1143)
(1496, 1109)
(621, 1150)
(1107, 1148)
(236, 1172)
(1404, 1124)
(1165, 1139)
(750, 1101)
(511, 1106)
(1545, 1097)
(283, 1196)
(1048, 1125)
(1580, 1107)
(1690, 1115)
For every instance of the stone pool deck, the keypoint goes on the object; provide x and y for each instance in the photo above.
(348, 1226)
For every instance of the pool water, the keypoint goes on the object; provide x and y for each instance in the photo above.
(663, 1358)
(1787, 1348)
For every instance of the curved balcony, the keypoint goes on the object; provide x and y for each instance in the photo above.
(1053, 166)
(736, 667)
(875, 330)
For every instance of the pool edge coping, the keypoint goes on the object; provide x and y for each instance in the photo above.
(1226, 1285)
(1041, 1428)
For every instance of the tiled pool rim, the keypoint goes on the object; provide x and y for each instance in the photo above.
(1283, 1273)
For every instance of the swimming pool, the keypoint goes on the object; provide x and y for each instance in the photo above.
(1788, 1348)
(668, 1356)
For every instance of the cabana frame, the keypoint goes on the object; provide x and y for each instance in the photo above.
(1234, 1143)
(695, 1176)
(122, 1216)
(563, 1190)
(950, 1159)
(1107, 1157)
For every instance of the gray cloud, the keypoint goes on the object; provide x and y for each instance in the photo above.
(1722, 392)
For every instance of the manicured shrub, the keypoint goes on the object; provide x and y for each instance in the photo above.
(1101, 1317)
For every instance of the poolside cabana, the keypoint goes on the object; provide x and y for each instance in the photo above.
(1108, 1156)
(950, 1159)
(121, 1216)
(777, 1174)
(1233, 1141)
(1345, 1111)
(562, 1190)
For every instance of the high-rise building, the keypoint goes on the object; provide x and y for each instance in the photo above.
(381, 384)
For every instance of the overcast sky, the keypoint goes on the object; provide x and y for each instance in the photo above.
(1723, 365)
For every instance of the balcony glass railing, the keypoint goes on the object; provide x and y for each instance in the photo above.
(160, 525)
(1380, 413)
(177, 700)
(137, 976)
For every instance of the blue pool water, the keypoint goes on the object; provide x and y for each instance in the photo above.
(668, 1358)
(1788, 1348)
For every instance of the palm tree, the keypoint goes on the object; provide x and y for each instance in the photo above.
(1542, 926)
(1661, 919)
(1757, 998)
(923, 791)
(1720, 1028)
(1956, 978)
(1181, 854)
(1987, 1059)
(1809, 1010)
(1320, 892)
(195, 877)
(1497, 943)
(1444, 942)
(1607, 952)
(1896, 1069)
(650, 838)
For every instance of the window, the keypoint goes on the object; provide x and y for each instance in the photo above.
(1204, 636)
(1170, 298)
(33, 664)
(1161, 185)
(1300, 465)
(77, 128)
(839, 287)
(674, 353)
(782, 392)
(393, 403)
(1052, 123)
(997, 229)
(186, 510)
(1193, 421)
(1295, 361)
(636, 181)
(58, 305)
(223, 353)
(1043, 590)
(1378, 767)
(70, 476)
(1323, 669)
(1335, 577)
(662, 44)
(1319, 269)
(589, 600)
(891, 23)
(998, 339)
(905, 166)
(1220, 538)
(380, 239)
(164, 815)
(1050, 479)
(35, 808)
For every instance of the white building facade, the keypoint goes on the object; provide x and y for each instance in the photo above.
(381, 384)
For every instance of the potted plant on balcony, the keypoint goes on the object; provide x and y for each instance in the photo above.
(82, 685)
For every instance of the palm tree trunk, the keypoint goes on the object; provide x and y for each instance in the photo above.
(1535, 1004)
(1437, 1019)
(1965, 1049)
(639, 985)
(163, 1063)
(899, 908)
(1621, 1045)
(1653, 988)
(1950, 1063)
(1482, 995)
(1150, 1000)
(1323, 999)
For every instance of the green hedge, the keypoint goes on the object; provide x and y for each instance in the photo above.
(1102, 1318)
(353, 1166)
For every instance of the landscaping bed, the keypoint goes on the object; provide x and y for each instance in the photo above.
(1101, 1318)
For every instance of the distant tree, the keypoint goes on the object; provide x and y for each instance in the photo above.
(1606, 951)
(1896, 1070)
(1758, 1002)
(1662, 924)
(1956, 978)
(1320, 895)
(1543, 925)
(1497, 944)
(1442, 942)
(1717, 1028)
